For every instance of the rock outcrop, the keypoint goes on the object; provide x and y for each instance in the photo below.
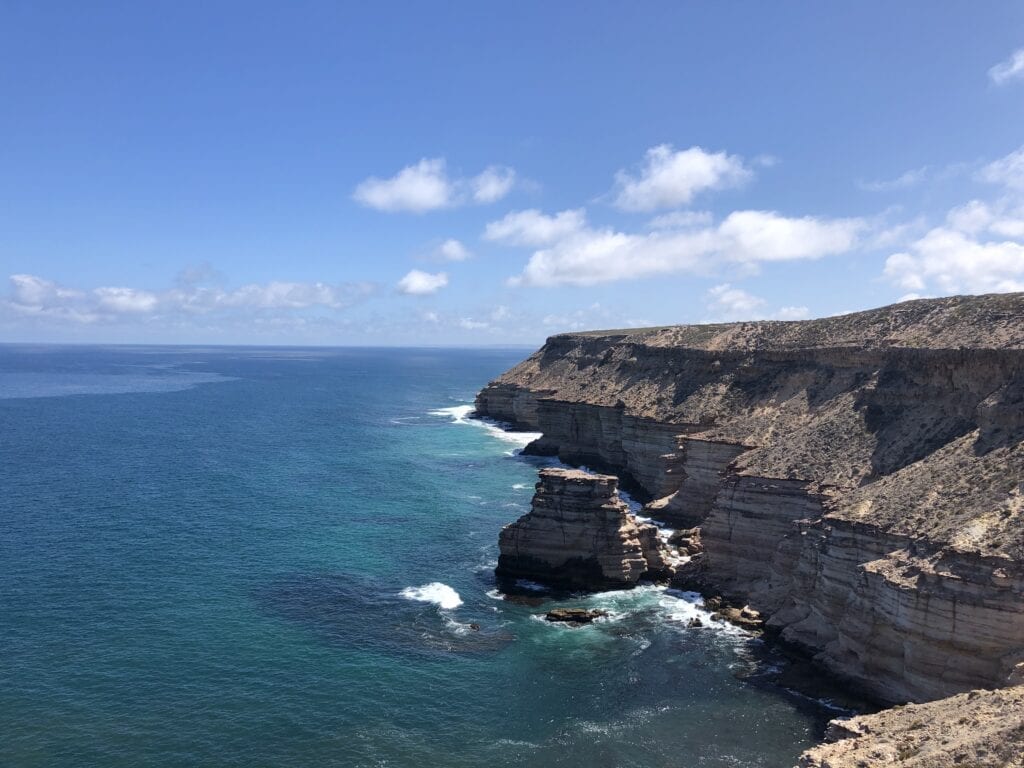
(857, 480)
(980, 729)
(580, 535)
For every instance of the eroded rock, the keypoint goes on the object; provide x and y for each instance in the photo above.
(580, 535)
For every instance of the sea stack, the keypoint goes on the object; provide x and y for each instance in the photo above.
(580, 535)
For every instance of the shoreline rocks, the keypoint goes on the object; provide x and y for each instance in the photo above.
(580, 535)
(980, 729)
(573, 616)
(855, 480)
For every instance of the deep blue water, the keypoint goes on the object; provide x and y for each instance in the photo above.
(203, 554)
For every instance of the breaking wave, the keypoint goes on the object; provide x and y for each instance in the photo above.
(435, 592)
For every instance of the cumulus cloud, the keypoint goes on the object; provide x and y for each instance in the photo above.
(453, 250)
(534, 228)
(1008, 70)
(418, 283)
(951, 261)
(426, 186)
(31, 295)
(587, 256)
(978, 249)
(671, 178)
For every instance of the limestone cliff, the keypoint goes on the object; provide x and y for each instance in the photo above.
(856, 479)
(579, 534)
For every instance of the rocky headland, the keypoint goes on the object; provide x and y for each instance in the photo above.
(856, 480)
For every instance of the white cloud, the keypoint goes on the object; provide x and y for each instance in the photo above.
(417, 283)
(493, 184)
(426, 186)
(418, 188)
(978, 249)
(726, 302)
(453, 250)
(1007, 171)
(534, 228)
(734, 303)
(30, 290)
(767, 236)
(469, 324)
(681, 219)
(903, 181)
(126, 300)
(589, 256)
(1004, 218)
(951, 261)
(672, 178)
(35, 296)
(1010, 69)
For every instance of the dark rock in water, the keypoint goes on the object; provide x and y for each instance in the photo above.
(531, 601)
(575, 616)
(475, 627)
(695, 622)
(580, 535)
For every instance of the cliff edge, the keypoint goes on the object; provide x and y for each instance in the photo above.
(856, 479)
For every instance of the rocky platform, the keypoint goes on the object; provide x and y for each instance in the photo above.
(980, 729)
(857, 480)
(580, 535)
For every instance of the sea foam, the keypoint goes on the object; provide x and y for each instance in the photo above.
(435, 592)
(459, 414)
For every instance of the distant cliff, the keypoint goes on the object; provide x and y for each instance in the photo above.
(857, 479)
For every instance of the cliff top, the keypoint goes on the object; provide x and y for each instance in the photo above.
(992, 321)
(910, 416)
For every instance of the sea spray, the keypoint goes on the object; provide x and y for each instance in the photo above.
(459, 414)
(435, 592)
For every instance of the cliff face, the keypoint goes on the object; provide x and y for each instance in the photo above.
(856, 479)
(580, 535)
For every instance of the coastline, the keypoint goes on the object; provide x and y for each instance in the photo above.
(766, 663)
(807, 505)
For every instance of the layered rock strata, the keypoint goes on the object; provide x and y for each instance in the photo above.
(857, 480)
(580, 535)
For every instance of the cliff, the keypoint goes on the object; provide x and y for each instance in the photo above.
(856, 479)
(580, 535)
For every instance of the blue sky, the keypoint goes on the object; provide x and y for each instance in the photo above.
(476, 173)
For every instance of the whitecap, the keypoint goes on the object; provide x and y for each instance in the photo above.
(519, 486)
(435, 592)
(459, 414)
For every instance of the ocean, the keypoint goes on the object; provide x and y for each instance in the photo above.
(274, 556)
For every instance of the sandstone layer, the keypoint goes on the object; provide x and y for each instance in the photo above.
(580, 535)
(857, 480)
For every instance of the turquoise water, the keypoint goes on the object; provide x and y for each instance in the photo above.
(212, 557)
